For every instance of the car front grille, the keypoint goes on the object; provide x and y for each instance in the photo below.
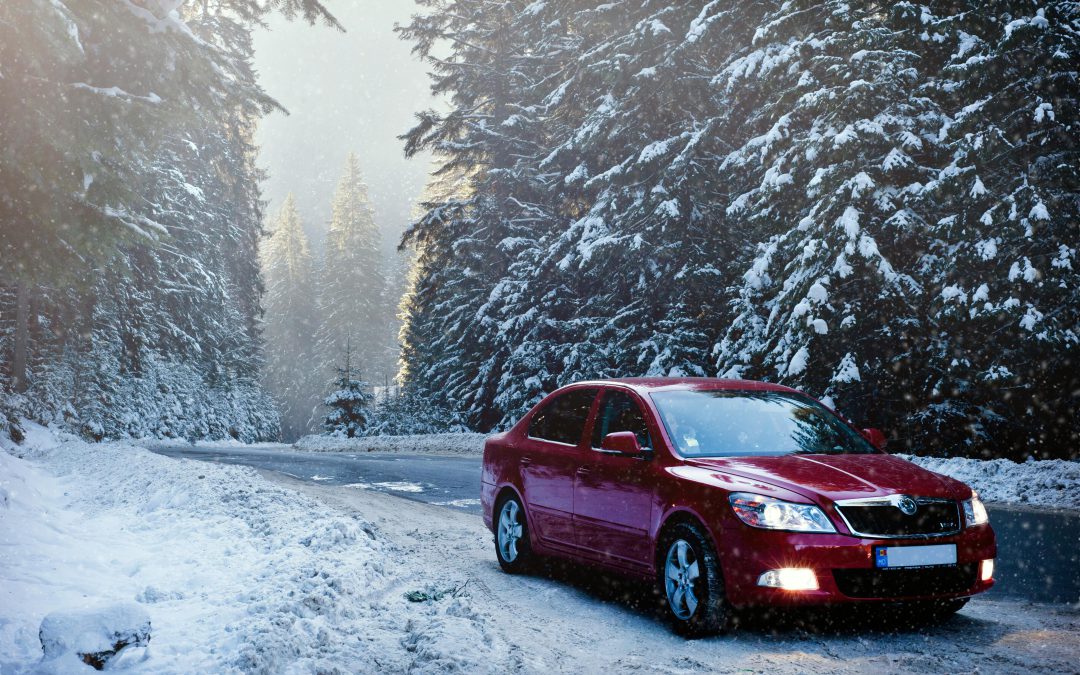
(901, 582)
(932, 517)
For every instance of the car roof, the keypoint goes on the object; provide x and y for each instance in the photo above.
(651, 384)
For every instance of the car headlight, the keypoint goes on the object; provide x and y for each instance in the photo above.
(974, 511)
(775, 514)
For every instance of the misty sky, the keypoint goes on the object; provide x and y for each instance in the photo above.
(354, 91)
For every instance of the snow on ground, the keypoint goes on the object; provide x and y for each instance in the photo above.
(430, 444)
(241, 573)
(236, 573)
(574, 620)
(1050, 482)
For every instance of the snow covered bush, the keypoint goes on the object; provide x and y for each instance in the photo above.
(410, 414)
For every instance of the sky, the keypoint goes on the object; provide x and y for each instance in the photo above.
(354, 91)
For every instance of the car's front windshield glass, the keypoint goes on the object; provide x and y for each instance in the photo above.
(754, 423)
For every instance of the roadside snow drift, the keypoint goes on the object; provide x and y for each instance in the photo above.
(233, 571)
(1049, 482)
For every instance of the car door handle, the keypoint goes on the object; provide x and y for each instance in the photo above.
(525, 461)
(583, 471)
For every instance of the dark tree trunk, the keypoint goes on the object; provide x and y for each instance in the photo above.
(22, 337)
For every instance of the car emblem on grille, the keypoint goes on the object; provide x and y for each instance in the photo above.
(907, 505)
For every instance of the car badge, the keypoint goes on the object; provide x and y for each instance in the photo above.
(907, 505)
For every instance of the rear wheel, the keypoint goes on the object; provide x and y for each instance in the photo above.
(691, 583)
(512, 536)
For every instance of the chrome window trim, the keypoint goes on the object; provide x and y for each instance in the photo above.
(548, 440)
(893, 500)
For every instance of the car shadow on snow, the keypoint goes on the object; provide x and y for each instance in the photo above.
(788, 622)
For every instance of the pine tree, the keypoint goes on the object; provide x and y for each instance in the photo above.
(348, 403)
(831, 302)
(131, 214)
(628, 270)
(491, 145)
(1005, 279)
(352, 285)
(291, 322)
(846, 197)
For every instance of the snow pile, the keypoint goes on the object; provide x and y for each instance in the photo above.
(235, 572)
(422, 444)
(1051, 482)
(92, 637)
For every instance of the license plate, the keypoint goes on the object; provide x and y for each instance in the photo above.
(914, 556)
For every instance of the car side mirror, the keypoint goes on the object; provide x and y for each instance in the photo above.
(876, 437)
(624, 443)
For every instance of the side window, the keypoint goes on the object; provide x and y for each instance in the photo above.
(563, 419)
(620, 412)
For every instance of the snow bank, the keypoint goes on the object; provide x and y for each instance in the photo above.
(422, 444)
(235, 572)
(93, 637)
(1051, 482)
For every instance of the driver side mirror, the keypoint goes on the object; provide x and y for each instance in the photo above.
(876, 437)
(624, 443)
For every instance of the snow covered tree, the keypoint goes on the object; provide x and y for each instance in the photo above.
(627, 270)
(466, 241)
(1005, 279)
(291, 322)
(831, 302)
(348, 402)
(352, 283)
(131, 214)
(778, 190)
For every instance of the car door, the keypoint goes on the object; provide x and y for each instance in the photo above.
(551, 454)
(614, 494)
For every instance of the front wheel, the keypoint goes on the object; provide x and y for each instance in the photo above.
(691, 583)
(512, 536)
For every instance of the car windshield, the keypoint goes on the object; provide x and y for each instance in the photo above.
(754, 423)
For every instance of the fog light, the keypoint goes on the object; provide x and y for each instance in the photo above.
(790, 579)
(986, 570)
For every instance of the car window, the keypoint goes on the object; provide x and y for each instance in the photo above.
(562, 420)
(620, 412)
(754, 423)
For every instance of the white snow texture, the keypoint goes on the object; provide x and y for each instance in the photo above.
(235, 572)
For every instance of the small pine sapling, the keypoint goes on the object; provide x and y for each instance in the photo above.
(348, 403)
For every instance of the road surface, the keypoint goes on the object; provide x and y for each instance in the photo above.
(435, 479)
(1038, 549)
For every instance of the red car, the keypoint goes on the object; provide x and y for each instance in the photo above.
(730, 493)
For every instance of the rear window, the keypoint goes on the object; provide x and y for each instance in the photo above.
(562, 420)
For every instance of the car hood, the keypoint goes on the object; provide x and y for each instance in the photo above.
(840, 476)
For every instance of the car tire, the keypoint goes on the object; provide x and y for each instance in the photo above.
(512, 544)
(690, 583)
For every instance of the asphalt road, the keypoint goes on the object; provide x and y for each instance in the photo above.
(1038, 549)
(435, 479)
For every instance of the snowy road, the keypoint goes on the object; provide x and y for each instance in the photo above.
(565, 620)
(441, 480)
(1039, 548)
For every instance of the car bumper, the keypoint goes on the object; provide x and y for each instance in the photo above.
(845, 570)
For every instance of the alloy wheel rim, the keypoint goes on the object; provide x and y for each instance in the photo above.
(681, 572)
(510, 530)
